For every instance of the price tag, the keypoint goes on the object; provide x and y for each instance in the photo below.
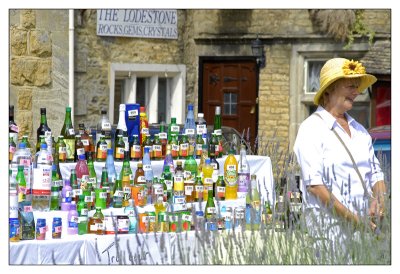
(106, 126)
(88, 199)
(168, 183)
(156, 148)
(221, 189)
(175, 147)
(103, 195)
(188, 190)
(84, 212)
(133, 113)
(187, 218)
(178, 179)
(145, 131)
(85, 142)
(190, 131)
(184, 146)
(27, 208)
(77, 192)
(211, 210)
(201, 129)
(175, 129)
(71, 131)
(127, 189)
(163, 135)
(199, 188)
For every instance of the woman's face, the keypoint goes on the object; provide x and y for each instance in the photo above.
(344, 94)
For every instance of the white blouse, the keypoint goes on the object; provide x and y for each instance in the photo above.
(324, 160)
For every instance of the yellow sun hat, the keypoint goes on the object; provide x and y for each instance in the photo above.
(337, 68)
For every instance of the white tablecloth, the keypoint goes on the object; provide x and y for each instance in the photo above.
(152, 248)
(259, 165)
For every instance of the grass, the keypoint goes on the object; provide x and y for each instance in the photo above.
(265, 246)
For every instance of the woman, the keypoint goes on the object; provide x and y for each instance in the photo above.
(336, 200)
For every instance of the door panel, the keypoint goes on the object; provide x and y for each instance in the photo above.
(231, 85)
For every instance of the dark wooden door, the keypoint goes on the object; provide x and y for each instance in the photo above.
(232, 85)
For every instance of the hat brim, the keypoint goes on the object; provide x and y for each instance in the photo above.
(366, 81)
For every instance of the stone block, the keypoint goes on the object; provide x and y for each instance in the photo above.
(28, 19)
(24, 122)
(40, 43)
(18, 41)
(25, 99)
(31, 72)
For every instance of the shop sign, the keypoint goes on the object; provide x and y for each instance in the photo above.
(143, 23)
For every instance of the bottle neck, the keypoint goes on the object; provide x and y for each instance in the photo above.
(43, 119)
(67, 120)
(121, 121)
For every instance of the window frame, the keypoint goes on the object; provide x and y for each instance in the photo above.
(176, 87)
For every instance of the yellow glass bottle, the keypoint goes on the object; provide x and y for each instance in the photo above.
(231, 176)
(207, 170)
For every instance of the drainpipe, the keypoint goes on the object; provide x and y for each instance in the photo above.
(71, 64)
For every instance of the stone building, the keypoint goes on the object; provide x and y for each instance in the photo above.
(208, 63)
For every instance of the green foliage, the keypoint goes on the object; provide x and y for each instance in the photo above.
(359, 29)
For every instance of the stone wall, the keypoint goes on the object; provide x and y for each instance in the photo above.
(38, 68)
(39, 59)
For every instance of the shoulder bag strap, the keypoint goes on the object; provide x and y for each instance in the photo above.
(351, 157)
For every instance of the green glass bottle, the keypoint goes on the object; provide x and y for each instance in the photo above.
(210, 209)
(126, 179)
(21, 184)
(183, 147)
(54, 198)
(136, 149)
(198, 189)
(199, 146)
(41, 140)
(69, 135)
(157, 148)
(173, 129)
(92, 171)
(167, 175)
(189, 177)
(105, 185)
(220, 188)
(217, 119)
(61, 149)
(119, 149)
(174, 147)
(82, 209)
(101, 151)
(12, 149)
(76, 191)
(81, 206)
(118, 194)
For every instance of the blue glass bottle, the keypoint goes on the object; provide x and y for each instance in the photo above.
(190, 129)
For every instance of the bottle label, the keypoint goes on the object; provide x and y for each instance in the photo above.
(188, 190)
(73, 222)
(162, 135)
(231, 175)
(145, 131)
(187, 218)
(136, 152)
(208, 181)
(80, 151)
(132, 114)
(105, 126)
(218, 131)
(41, 180)
(199, 149)
(14, 128)
(243, 182)
(82, 219)
(178, 179)
(77, 192)
(102, 152)
(70, 148)
(62, 153)
(201, 129)
(174, 150)
(190, 131)
(184, 149)
(168, 183)
(84, 212)
(119, 153)
(221, 191)
(211, 210)
(175, 129)
(141, 179)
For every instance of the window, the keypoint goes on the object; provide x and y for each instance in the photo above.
(230, 103)
(160, 88)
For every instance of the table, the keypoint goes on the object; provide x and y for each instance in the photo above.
(149, 248)
(199, 247)
(259, 165)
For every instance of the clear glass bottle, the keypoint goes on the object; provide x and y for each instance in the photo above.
(190, 129)
(122, 128)
(253, 206)
(101, 152)
(104, 128)
(201, 125)
(243, 173)
(41, 187)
